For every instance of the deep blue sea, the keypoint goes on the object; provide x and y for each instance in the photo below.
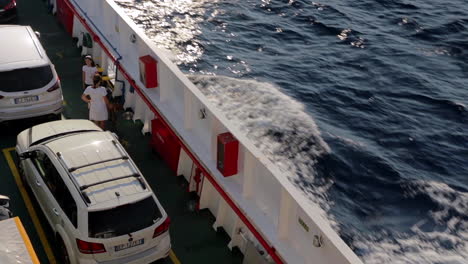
(363, 104)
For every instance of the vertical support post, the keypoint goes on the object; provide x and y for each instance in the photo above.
(206, 196)
(220, 215)
(236, 239)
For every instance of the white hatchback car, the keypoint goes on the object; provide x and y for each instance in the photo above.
(97, 202)
(29, 85)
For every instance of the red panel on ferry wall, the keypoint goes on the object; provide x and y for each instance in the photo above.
(65, 15)
(228, 149)
(165, 143)
(149, 71)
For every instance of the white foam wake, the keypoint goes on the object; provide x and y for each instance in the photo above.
(444, 242)
(276, 124)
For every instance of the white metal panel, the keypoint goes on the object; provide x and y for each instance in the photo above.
(185, 165)
(130, 98)
(13, 248)
(266, 193)
(209, 197)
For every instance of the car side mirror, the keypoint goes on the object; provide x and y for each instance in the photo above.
(4, 201)
(38, 34)
(27, 155)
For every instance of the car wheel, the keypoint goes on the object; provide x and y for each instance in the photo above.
(64, 257)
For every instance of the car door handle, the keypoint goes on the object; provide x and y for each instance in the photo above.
(56, 212)
(38, 183)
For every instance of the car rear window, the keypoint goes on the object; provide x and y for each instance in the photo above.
(124, 219)
(25, 79)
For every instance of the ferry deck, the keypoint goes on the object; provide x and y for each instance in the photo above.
(193, 238)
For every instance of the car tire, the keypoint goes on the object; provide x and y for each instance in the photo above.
(63, 253)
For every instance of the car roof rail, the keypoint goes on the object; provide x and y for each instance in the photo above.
(117, 146)
(77, 186)
(134, 175)
(72, 169)
(82, 188)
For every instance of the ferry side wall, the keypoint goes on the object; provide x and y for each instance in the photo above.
(258, 204)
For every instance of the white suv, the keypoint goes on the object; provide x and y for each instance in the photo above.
(29, 85)
(97, 202)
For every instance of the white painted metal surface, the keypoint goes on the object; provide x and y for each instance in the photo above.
(283, 216)
(13, 247)
(20, 48)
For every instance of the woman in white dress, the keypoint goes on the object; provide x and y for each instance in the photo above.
(89, 70)
(98, 103)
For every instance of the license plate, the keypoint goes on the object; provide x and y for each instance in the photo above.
(129, 244)
(28, 99)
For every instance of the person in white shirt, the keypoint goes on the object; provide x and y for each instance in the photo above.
(96, 98)
(89, 70)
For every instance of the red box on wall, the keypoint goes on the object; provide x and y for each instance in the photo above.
(165, 143)
(149, 71)
(227, 155)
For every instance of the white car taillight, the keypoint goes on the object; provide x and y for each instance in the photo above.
(162, 228)
(55, 87)
(90, 247)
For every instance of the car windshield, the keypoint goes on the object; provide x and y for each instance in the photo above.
(124, 219)
(25, 79)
